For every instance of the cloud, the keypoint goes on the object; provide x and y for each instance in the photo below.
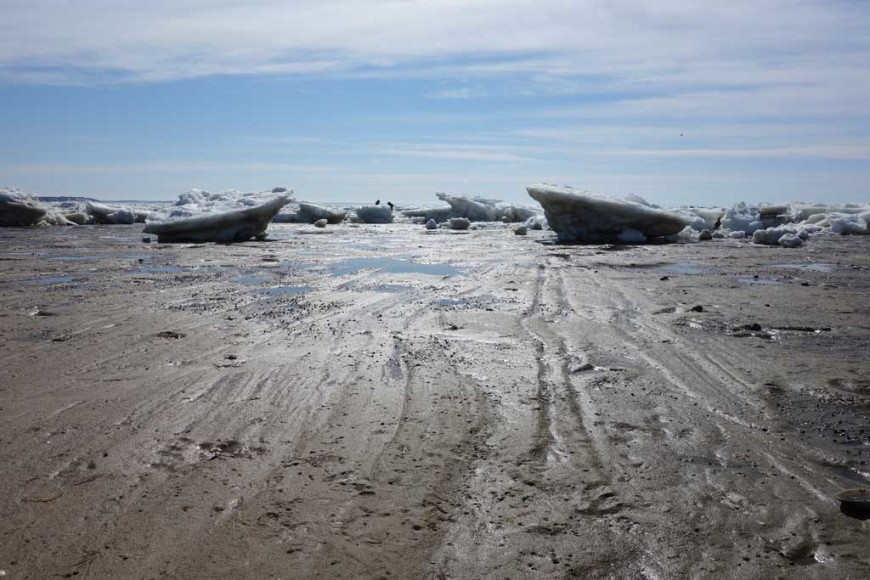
(456, 152)
(840, 152)
(638, 39)
(160, 167)
(460, 93)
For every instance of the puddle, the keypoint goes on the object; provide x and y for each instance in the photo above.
(252, 280)
(750, 281)
(391, 266)
(161, 270)
(284, 290)
(685, 268)
(807, 267)
(74, 258)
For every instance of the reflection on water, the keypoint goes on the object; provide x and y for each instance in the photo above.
(391, 266)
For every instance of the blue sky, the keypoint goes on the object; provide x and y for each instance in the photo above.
(680, 102)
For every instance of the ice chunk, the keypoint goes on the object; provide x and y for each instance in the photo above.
(742, 217)
(474, 210)
(106, 214)
(536, 222)
(630, 236)
(781, 235)
(515, 213)
(199, 216)
(431, 225)
(850, 224)
(790, 241)
(311, 213)
(439, 214)
(582, 217)
(459, 223)
(374, 214)
(19, 209)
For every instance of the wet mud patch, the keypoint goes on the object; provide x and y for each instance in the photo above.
(390, 266)
(832, 422)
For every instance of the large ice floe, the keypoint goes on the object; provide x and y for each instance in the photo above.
(479, 210)
(372, 214)
(791, 224)
(311, 212)
(582, 217)
(231, 216)
(18, 209)
(107, 214)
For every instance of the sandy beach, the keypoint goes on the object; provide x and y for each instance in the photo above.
(387, 402)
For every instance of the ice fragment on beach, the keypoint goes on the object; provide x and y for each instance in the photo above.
(484, 210)
(106, 214)
(373, 214)
(579, 216)
(438, 214)
(231, 216)
(431, 225)
(459, 223)
(312, 213)
(19, 209)
(790, 241)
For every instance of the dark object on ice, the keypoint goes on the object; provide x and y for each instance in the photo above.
(855, 502)
(389, 203)
(377, 202)
(705, 236)
(664, 278)
(755, 327)
(697, 308)
(146, 240)
(171, 334)
(583, 368)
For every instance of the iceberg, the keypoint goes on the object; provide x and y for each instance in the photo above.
(231, 216)
(581, 217)
(19, 209)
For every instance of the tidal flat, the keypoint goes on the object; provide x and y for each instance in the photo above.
(391, 402)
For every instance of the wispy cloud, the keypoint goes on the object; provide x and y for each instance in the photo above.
(159, 167)
(460, 93)
(455, 152)
(843, 152)
(643, 40)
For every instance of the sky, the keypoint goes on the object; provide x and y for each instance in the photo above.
(678, 101)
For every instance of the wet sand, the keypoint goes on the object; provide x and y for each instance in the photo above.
(386, 402)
